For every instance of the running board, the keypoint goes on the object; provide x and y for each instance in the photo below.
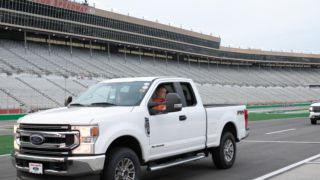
(176, 162)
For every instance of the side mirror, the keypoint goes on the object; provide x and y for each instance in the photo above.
(173, 102)
(68, 101)
(151, 105)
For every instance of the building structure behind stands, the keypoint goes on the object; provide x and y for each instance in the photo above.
(51, 51)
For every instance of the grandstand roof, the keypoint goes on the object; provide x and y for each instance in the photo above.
(263, 52)
(148, 23)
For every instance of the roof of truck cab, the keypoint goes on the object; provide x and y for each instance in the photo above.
(140, 79)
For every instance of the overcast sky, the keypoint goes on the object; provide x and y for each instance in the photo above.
(281, 25)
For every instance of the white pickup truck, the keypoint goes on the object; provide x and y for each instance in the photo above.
(112, 129)
(314, 112)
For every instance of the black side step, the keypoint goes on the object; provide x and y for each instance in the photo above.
(175, 162)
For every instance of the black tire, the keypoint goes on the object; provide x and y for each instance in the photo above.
(221, 159)
(115, 158)
(313, 121)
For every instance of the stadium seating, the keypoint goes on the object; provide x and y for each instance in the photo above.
(35, 78)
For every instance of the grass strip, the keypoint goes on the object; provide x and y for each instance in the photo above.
(4, 117)
(6, 144)
(272, 115)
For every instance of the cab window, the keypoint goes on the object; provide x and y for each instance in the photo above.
(188, 94)
(168, 86)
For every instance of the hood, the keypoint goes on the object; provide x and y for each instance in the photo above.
(73, 115)
(315, 104)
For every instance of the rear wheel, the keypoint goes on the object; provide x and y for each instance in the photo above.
(121, 164)
(313, 121)
(224, 156)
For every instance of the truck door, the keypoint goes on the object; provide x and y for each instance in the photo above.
(167, 132)
(193, 118)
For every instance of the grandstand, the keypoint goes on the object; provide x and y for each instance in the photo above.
(49, 52)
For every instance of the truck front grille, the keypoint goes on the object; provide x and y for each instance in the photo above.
(47, 139)
(316, 109)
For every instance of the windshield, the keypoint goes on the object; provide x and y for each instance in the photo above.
(113, 94)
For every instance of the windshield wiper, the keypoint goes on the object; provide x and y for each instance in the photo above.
(102, 104)
(77, 104)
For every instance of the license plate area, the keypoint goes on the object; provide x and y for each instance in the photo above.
(35, 168)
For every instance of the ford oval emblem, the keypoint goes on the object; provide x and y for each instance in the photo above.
(37, 139)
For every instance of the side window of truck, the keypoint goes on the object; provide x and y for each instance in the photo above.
(188, 94)
(159, 96)
(169, 87)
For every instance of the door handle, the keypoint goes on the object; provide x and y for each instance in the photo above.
(182, 117)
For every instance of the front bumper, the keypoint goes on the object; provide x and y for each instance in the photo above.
(314, 115)
(61, 166)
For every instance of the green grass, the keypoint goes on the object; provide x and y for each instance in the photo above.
(6, 144)
(277, 105)
(11, 116)
(276, 115)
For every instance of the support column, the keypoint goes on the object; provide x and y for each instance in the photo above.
(108, 51)
(71, 46)
(166, 60)
(49, 44)
(90, 48)
(189, 61)
(25, 41)
(125, 54)
(140, 55)
(154, 58)
(178, 58)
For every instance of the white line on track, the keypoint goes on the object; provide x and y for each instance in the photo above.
(4, 155)
(313, 162)
(281, 131)
(287, 168)
(286, 142)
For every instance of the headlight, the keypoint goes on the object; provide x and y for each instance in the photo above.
(16, 137)
(88, 137)
(311, 109)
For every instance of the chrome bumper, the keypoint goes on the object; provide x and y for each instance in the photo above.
(314, 115)
(75, 166)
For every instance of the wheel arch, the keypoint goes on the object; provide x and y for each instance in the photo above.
(127, 141)
(232, 128)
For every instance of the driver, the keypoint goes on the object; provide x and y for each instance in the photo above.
(160, 97)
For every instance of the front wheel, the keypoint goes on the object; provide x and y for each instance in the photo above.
(121, 164)
(224, 156)
(313, 121)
